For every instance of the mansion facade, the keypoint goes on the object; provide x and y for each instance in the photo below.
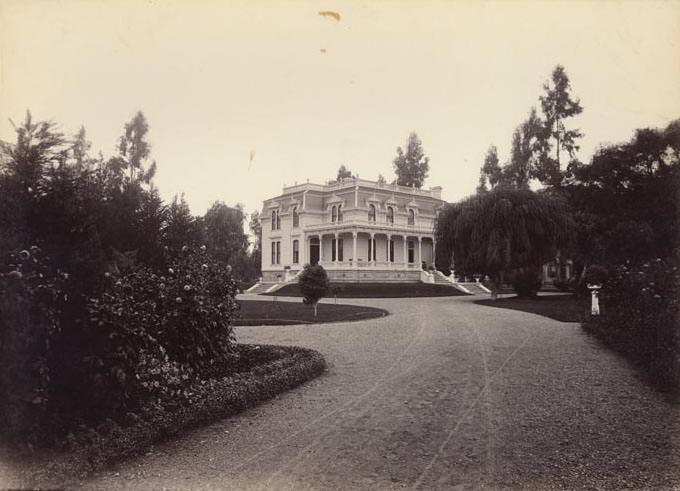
(358, 230)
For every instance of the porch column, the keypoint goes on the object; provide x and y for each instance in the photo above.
(434, 256)
(302, 250)
(373, 254)
(354, 249)
(405, 252)
(420, 252)
(334, 246)
(389, 242)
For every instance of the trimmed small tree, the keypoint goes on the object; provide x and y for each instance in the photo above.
(314, 285)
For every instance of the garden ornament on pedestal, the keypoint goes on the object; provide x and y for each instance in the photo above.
(594, 298)
(596, 276)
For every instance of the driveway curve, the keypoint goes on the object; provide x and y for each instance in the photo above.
(442, 394)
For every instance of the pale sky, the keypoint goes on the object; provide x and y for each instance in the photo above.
(306, 93)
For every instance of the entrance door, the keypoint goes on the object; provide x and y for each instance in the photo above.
(314, 251)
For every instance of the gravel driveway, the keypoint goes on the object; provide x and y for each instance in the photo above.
(441, 394)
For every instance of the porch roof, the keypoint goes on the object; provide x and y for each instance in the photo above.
(350, 227)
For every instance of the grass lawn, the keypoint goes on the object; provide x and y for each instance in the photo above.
(564, 308)
(377, 290)
(261, 312)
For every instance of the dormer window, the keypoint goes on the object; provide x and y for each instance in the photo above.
(339, 213)
(411, 217)
(296, 217)
(390, 215)
(334, 214)
(371, 213)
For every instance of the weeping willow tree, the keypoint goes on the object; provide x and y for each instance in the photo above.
(504, 231)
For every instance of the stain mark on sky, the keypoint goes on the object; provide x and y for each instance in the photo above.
(250, 160)
(323, 50)
(330, 14)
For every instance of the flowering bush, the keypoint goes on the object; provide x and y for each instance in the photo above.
(641, 315)
(153, 334)
(31, 300)
(147, 337)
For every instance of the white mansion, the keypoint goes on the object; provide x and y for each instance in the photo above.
(358, 230)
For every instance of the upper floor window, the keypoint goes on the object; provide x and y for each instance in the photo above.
(296, 252)
(390, 215)
(339, 213)
(371, 213)
(296, 217)
(411, 217)
(275, 214)
(278, 220)
(334, 214)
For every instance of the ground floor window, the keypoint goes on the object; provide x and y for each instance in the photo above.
(276, 252)
(411, 252)
(296, 252)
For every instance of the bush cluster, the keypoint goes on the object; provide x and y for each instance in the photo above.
(146, 337)
(526, 282)
(641, 316)
(262, 373)
(31, 300)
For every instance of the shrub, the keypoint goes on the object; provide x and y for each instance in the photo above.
(31, 299)
(151, 333)
(314, 284)
(641, 316)
(147, 337)
(596, 275)
(526, 282)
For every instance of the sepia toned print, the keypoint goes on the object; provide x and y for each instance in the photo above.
(339, 245)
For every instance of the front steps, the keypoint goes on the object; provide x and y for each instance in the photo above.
(471, 287)
(475, 288)
(261, 287)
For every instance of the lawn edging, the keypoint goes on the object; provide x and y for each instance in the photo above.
(376, 290)
(271, 313)
(89, 450)
(562, 308)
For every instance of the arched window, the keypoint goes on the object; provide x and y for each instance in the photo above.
(296, 217)
(339, 213)
(390, 215)
(371, 213)
(334, 214)
(278, 220)
(411, 217)
(274, 220)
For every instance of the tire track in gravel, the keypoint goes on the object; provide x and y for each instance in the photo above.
(304, 454)
(256, 456)
(331, 427)
(419, 481)
(491, 429)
